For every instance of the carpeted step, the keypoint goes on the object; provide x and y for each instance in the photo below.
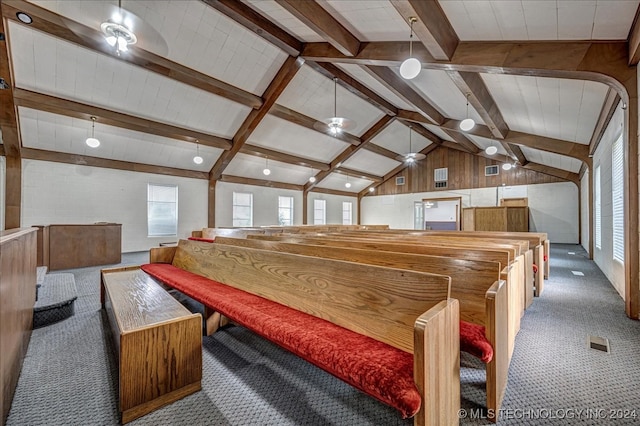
(55, 300)
(41, 272)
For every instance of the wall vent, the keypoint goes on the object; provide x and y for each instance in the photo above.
(491, 170)
(441, 184)
(400, 180)
(599, 343)
(441, 175)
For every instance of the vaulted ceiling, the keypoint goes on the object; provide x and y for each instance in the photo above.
(246, 82)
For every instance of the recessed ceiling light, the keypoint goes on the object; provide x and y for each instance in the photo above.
(24, 18)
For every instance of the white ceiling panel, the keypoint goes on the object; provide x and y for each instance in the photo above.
(551, 159)
(312, 94)
(484, 143)
(362, 76)
(338, 181)
(369, 21)
(52, 132)
(284, 136)
(196, 35)
(52, 66)
(541, 19)
(439, 132)
(284, 20)
(370, 162)
(557, 108)
(396, 138)
(438, 88)
(252, 166)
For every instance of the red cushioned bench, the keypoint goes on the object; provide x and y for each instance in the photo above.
(391, 333)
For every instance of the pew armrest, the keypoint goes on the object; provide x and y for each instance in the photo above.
(162, 254)
(496, 330)
(436, 364)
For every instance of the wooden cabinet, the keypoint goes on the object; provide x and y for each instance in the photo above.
(78, 246)
(17, 297)
(511, 219)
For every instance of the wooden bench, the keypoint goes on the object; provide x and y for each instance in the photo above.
(344, 317)
(482, 296)
(158, 341)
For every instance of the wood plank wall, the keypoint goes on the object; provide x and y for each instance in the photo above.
(465, 171)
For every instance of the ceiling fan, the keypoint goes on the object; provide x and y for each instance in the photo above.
(335, 125)
(411, 157)
(120, 28)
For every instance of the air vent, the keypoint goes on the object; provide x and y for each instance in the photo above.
(441, 175)
(491, 170)
(400, 180)
(441, 184)
(599, 343)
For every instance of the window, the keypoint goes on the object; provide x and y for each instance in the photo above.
(319, 212)
(242, 209)
(285, 211)
(598, 209)
(617, 198)
(346, 212)
(162, 210)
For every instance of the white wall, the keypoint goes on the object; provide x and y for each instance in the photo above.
(54, 193)
(603, 256)
(334, 207)
(265, 204)
(553, 207)
(585, 202)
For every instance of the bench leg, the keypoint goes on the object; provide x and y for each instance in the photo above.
(213, 321)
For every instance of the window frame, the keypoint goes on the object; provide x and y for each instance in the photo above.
(323, 209)
(617, 199)
(234, 214)
(597, 220)
(289, 208)
(153, 203)
(350, 209)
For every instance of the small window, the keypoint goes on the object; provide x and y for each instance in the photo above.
(617, 199)
(347, 217)
(285, 211)
(319, 212)
(441, 175)
(162, 210)
(242, 209)
(598, 209)
(491, 171)
(400, 180)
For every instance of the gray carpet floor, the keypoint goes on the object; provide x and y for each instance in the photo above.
(69, 376)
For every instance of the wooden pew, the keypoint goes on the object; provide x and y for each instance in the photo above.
(475, 283)
(406, 310)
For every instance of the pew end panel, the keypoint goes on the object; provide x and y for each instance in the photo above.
(437, 347)
(162, 254)
(497, 332)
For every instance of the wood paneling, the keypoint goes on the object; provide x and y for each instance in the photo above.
(18, 295)
(465, 171)
(77, 246)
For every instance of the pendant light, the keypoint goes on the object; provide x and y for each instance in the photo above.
(468, 123)
(490, 150)
(312, 178)
(197, 159)
(92, 141)
(411, 67)
(336, 125)
(348, 184)
(411, 157)
(266, 170)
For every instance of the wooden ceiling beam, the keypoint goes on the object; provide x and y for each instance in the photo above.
(462, 140)
(552, 171)
(432, 26)
(58, 26)
(475, 90)
(331, 71)
(633, 40)
(377, 149)
(256, 23)
(85, 160)
(378, 127)
(320, 20)
(608, 109)
(259, 182)
(295, 117)
(52, 104)
(519, 155)
(584, 168)
(399, 86)
(262, 152)
(422, 131)
(413, 116)
(358, 174)
(334, 192)
(284, 76)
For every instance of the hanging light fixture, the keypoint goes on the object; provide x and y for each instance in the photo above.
(92, 141)
(312, 178)
(371, 189)
(117, 32)
(411, 157)
(411, 67)
(348, 184)
(197, 159)
(468, 123)
(266, 170)
(335, 124)
(490, 150)
(506, 166)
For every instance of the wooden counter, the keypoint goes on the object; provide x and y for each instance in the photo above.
(77, 246)
(18, 295)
